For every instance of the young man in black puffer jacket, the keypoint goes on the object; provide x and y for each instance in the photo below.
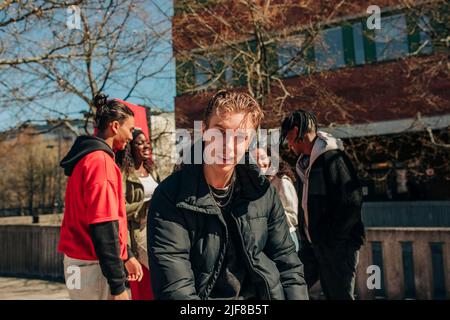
(217, 230)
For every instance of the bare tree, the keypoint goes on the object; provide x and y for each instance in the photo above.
(42, 60)
(29, 182)
(55, 55)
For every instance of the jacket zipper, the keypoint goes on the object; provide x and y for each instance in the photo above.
(248, 258)
(221, 258)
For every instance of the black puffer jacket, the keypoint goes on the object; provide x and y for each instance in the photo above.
(334, 203)
(187, 237)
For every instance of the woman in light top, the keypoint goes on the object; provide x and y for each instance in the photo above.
(283, 180)
(140, 181)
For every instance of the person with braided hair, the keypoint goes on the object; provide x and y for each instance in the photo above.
(330, 200)
(94, 231)
(139, 181)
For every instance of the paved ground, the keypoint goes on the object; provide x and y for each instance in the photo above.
(31, 289)
(28, 289)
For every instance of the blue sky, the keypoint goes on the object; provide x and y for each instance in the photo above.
(158, 90)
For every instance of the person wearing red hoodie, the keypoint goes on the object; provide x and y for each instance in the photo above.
(94, 231)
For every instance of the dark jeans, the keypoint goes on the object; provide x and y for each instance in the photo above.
(334, 267)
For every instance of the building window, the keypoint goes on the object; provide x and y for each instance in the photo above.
(228, 69)
(211, 69)
(184, 75)
(437, 262)
(391, 41)
(202, 71)
(291, 60)
(329, 49)
(408, 270)
(377, 259)
(424, 31)
(358, 42)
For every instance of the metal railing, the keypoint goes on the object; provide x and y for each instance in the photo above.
(30, 251)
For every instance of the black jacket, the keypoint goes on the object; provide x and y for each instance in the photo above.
(187, 237)
(334, 202)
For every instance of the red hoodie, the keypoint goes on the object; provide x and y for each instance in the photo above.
(93, 195)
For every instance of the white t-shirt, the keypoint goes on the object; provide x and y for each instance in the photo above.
(149, 186)
(289, 200)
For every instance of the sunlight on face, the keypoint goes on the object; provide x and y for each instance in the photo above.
(124, 133)
(227, 138)
(262, 160)
(141, 147)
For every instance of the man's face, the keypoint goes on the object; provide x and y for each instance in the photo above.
(296, 146)
(236, 133)
(123, 133)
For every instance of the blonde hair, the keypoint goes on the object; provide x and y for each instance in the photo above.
(224, 102)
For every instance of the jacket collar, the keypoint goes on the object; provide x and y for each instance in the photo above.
(194, 191)
(324, 142)
(132, 176)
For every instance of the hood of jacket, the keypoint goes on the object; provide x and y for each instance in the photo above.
(82, 146)
(324, 142)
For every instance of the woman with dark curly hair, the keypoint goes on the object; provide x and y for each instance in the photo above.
(139, 182)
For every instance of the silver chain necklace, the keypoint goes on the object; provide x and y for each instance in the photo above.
(228, 193)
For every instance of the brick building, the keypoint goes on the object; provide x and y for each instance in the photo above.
(384, 91)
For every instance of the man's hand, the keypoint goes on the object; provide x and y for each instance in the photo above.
(134, 269)
(122, 296)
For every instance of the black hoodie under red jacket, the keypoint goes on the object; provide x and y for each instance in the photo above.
(94, 225)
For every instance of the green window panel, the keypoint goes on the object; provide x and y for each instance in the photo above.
(358, 43)
(369, 44)
(349, 45)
